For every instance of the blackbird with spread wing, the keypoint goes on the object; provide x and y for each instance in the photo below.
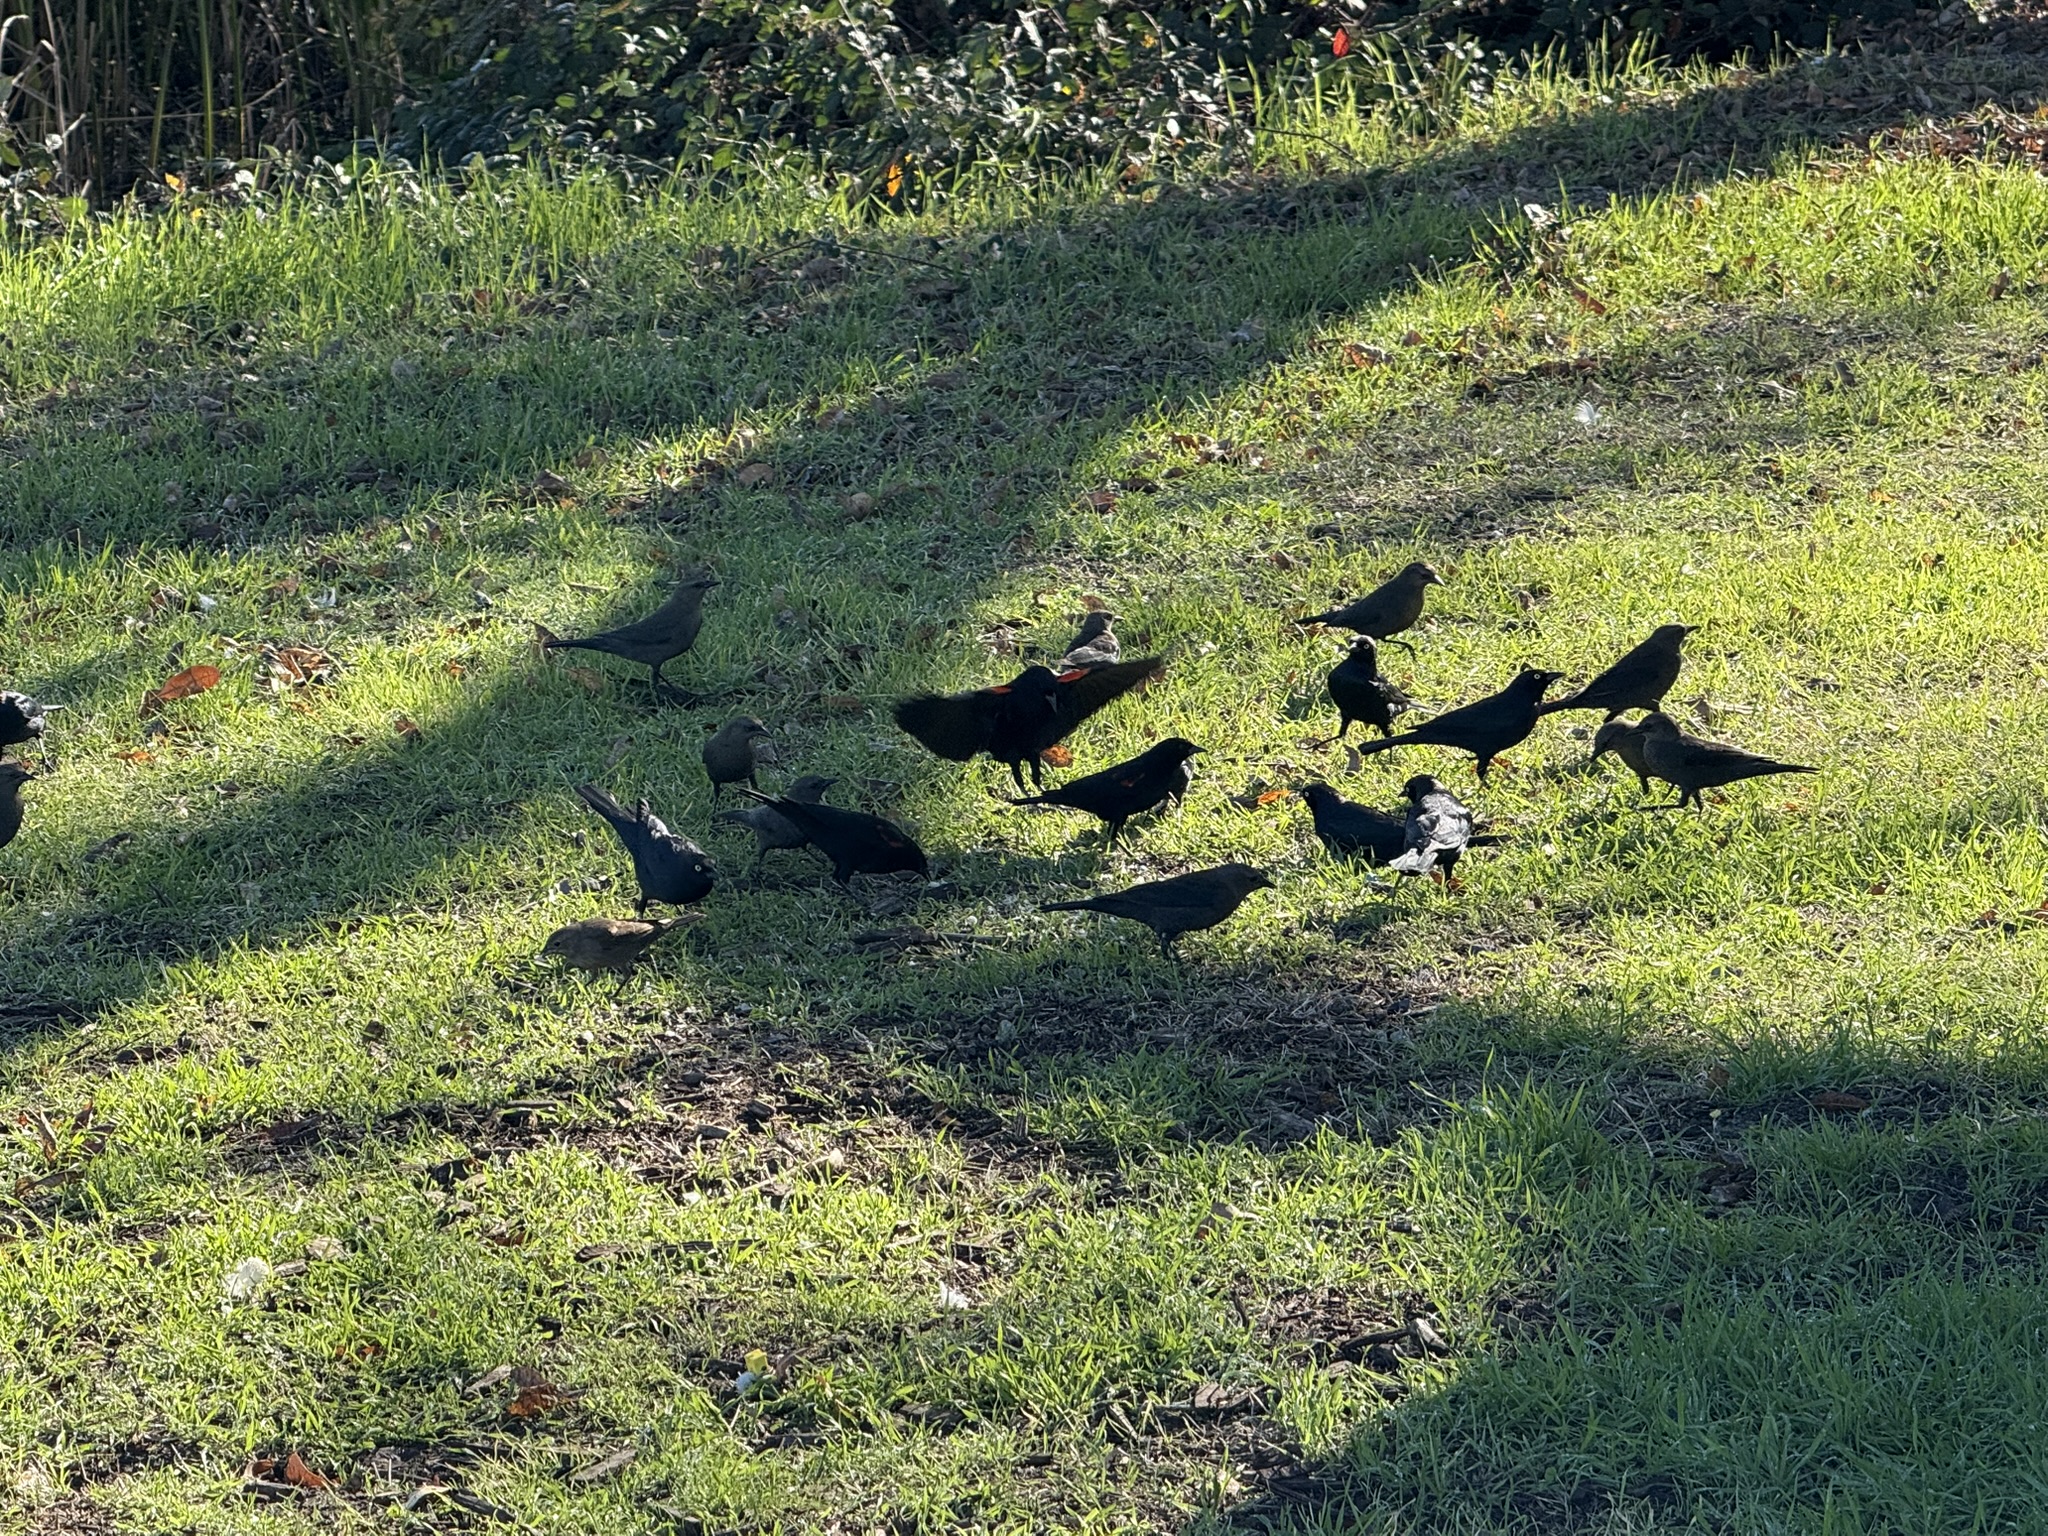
(1017, 721)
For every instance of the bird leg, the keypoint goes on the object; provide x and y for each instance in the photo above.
(1390, 640)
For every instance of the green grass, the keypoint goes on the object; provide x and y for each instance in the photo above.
(1567, 1111)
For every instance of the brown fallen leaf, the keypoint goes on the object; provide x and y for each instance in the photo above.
(1101, 501)
(542, 1397)
(618, 1461)
(543, 637)
(299, 1475)
(1272, 795)
(550, 486)
(589, 678)
(1829, 1098)
(842, 703)
(1057, 756)
(296, 666)
(1359, 355)
(752, 476)
(184, 685)
(135, 755)
(404, 726)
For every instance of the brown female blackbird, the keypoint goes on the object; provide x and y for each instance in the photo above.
(1639, 680)
(656, 640)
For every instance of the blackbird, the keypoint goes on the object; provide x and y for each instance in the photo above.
(12, 777)
(1095, 646)
(1389, 608)
(1438, 829)
(855, 842)
(729, 754)
(608, 943)
(1625, 740)
(1638, 681)
(670, 870)
(21, 718)
(1350, 830)
(1361, 694)
(1115, 795)
(1016, 722)
(770, 827)
(656, 640)
(1486, 728)
(1180, 905)
(1689, 764)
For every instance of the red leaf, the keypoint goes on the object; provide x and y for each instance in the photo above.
(297, 1473)
(193, 680)
(1341, 43)
(1058, 757)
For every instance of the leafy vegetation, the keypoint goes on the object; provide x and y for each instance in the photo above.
(1674, 1172)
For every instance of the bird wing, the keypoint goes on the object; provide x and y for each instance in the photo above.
(953, 725)
(1081, 694)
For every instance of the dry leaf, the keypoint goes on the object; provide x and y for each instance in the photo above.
(751, 476)
(1057, 757)
(296, 666)
(1359, 355)
(134, 755)
(1830, 1099)
(589, 677)
(1717, 1077)
(1589, 302)
(191, 681)
(404, 726)
(299, 1475)
(1101, 501)
(1340, 44)
(548, 484)
(542, 1397)
(618, 1461)
(842, 703)
(1272, 795)
(1091, 603)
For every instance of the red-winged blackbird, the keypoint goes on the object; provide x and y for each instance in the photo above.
(1689, 764)
(1184, 904)
(1095, 646)
(1389, 608)
(1438, 828)
(22, 718)
(608, 943)
(855, 842)
(1361, 694)
(670, 870)
(729, 755)
(1639, 680)
(12, 777)
(770, 827)
(656, 640)
(1350, 830)
(1016, 722)
(1486, 728)
(1155, 776)
(1625, 740)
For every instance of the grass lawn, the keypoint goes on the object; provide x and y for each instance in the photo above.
(1674, 1172)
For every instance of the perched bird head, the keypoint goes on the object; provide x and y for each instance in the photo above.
(1176, 747)
(1421, 574)
(1421, 786)
(809, 789)
(1316, 793)
(1242, 878)
(1657, 723)
(1611, 735)
(1537, 680)
(1365, 649)
(748, 727)
(1094, 624)
(1671, 634)
(560, 942)
(701, 581)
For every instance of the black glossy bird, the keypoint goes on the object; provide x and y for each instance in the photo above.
(1115, 795)
(732, 751)
(22, 718)
(1095, 646)
(1388, 609)
(1017, 721)
(770, 827)
(1183, 904)
(1350, 830)
(1485, 728)
(608, 943)
(12, 777)
(1437, 831)
(855, 842)
(1690, 764)
(670, 870)
(1639, 680)
(656, 640)
(1361, 694)
(1624, 739)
